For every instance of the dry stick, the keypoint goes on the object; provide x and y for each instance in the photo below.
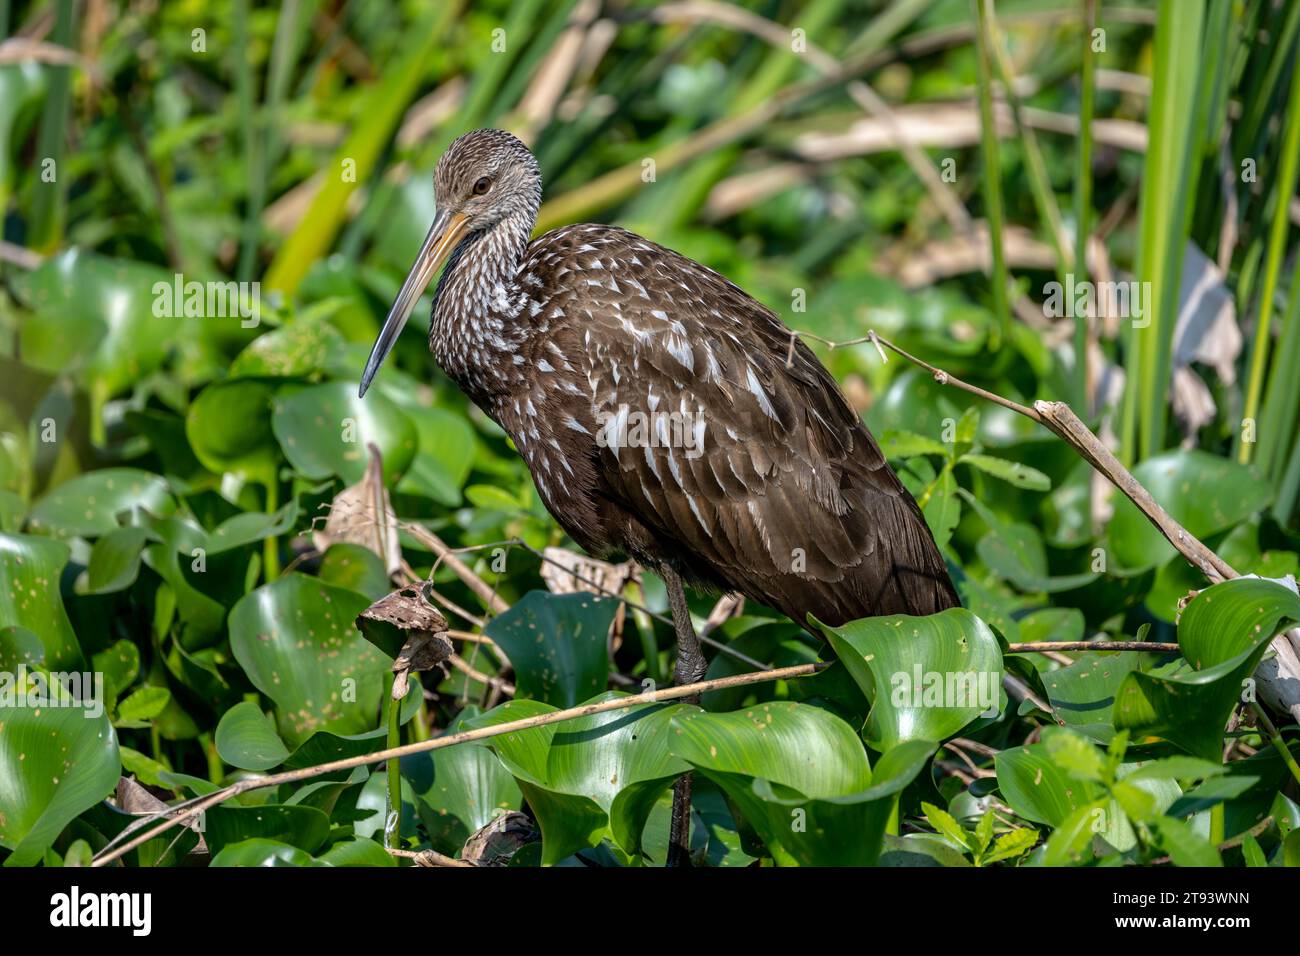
(1041, 646)
(447, 555)
(468, 670)
(448, 740)
(429, 857)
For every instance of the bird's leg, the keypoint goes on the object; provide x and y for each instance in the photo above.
(690, 668)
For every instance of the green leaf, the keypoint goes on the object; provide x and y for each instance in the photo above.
(324, 430)
(557, 644)
(229, 428)
(261, 852)
(1252, 852)
(445, 455)
(458, 790)
(87, 506)
(1185, 846)
(897, 443)
(1071, 838)
(1015, 551)
(94, 319)
(569, 822)
(300, 826)
(944, 822)
(926, 677)
(592, 775)
(1204, 493)
(1022, 476)
(355, 567)
(115, 559)
(1223, 634)
(296, 641)
(357, 852)
(296, 349)
(30, 569)
(942, 509)
(1083, 693)
(1037, 788)
(56, 761)
(250, 527)
(143, 705)
(246, 738)
(1010, 845)
(1177, 768)
(798, 776)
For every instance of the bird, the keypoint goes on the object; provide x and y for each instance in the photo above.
(663, 413)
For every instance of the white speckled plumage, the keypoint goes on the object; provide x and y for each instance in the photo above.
(788, 499)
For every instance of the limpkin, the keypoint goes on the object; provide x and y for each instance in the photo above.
(765, 482)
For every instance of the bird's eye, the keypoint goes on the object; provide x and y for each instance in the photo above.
(482, 186)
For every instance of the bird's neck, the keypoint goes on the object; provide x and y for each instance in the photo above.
(476, 329)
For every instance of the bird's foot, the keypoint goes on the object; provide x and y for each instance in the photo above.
(691, 666)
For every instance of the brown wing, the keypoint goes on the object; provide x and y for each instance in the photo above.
(749, 468)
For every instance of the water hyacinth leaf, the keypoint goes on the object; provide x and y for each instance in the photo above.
(355, 567)
(357, 852)
(780, 762)
(1052, 624)
(30, 568)
(250, 527)
(445, 455)
(201, 615)
(569, 822)
(1015, 552)
(19, 647)
(142, 706)
(229, 428)
(95, 315)
(115, 559)
(1202, 492)
(558, 645)
(296, 641)
(87, 506)
(303, 827)
(797, 746)
(323, 746)
(246, 739)
(262, 852)
(1223, 633)
(55, 762)
(926, 677)
(295, 350)
(165, 433)
(458, 790)
(324, 430)
(590, 777)
(1037, 788)
(1083, 693)
(621, 760)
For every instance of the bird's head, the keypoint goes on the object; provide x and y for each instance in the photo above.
(484, 177)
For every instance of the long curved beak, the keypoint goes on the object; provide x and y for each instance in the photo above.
(444, 235)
